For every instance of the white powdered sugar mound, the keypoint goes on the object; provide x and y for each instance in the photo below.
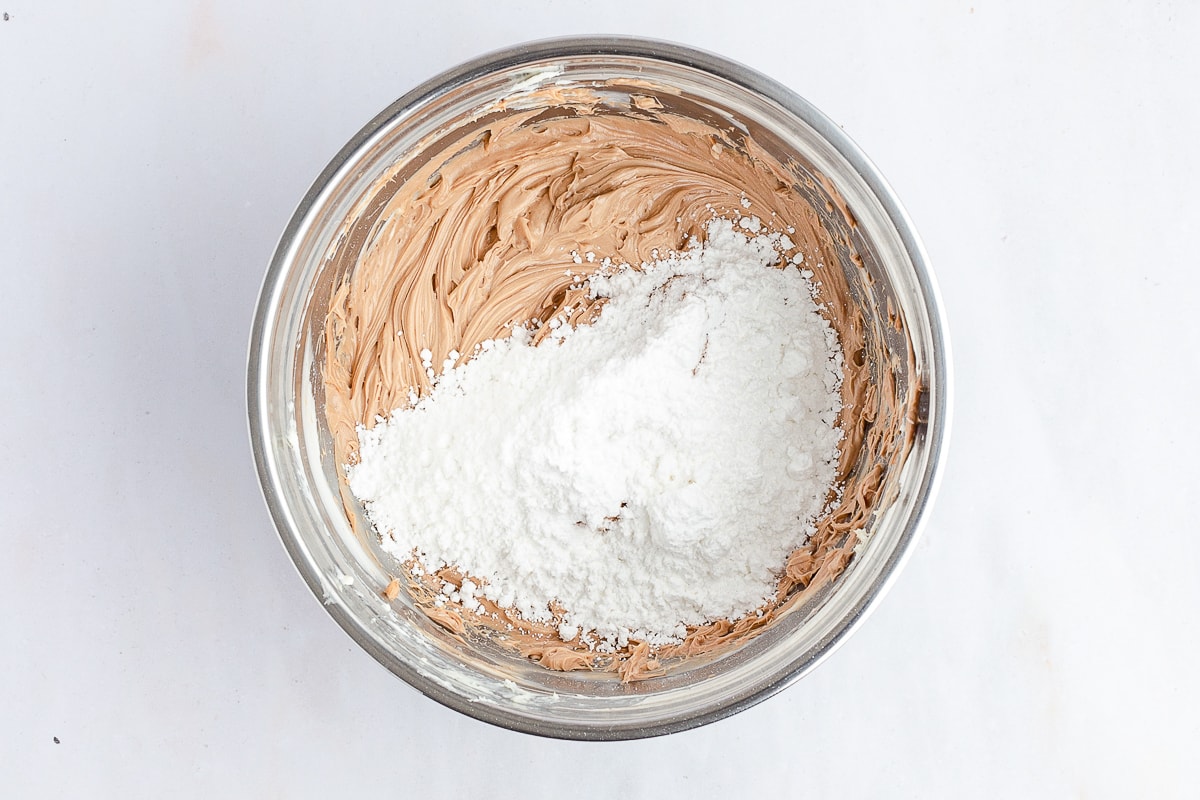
(650, 471)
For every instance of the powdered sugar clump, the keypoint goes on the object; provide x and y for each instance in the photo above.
(650, 471)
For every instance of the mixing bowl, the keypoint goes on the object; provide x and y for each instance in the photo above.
(886, 271)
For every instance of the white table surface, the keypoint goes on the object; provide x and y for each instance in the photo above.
(155, 639)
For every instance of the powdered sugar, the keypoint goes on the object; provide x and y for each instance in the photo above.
(647, 472)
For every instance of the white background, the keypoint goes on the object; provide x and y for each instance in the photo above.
(1042, 640)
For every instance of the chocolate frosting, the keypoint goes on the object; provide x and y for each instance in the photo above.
(484, 233)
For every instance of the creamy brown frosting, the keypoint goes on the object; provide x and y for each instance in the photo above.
(482, 236)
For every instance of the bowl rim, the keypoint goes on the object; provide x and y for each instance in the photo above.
(937, 435)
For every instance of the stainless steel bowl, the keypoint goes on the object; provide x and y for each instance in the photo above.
(300, 479)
